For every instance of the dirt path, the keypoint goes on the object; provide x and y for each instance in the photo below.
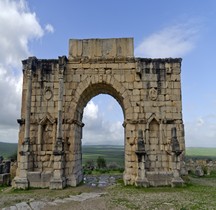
(200, 193)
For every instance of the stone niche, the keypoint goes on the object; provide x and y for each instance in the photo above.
(55, 92)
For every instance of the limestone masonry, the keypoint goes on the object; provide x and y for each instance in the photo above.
(55, 92)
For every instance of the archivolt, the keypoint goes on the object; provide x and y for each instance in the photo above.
(95, 85)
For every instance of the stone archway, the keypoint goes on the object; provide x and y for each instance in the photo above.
(88, 91)
(56, 91)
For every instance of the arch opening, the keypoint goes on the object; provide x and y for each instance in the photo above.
(103, 119)
(104, 115)
(103, 136)
(93, 90)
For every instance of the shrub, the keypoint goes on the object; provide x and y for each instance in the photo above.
(89, 165)
(101, 162)
(87, 172)
(121, 170)
(103, 170)
(13, 157)
(113, 166)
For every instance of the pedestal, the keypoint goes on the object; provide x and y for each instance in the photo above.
(177, 182)
(21, 183)
(59, 183)
(141, 180)
(58, 180)
(74, 180)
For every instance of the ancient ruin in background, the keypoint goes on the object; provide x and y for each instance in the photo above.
(55, 92)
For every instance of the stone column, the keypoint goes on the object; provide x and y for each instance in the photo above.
(59, 142)
(25, 162)
(176, 152)
(75, 175)
(141, 179)
(28, 106)
(58, 180)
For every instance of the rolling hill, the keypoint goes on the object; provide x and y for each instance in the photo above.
(7, 149)
(112, 153)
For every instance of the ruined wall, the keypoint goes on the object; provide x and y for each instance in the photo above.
(55, 93)
(5, 177)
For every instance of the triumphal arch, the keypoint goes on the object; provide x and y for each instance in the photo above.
(55, 92)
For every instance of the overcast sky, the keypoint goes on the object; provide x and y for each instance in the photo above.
(166, 28)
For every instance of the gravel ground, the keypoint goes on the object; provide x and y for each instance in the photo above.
(200, 193)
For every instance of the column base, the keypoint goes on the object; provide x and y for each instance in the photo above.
(128, 178)
(57, 183)
(142, 182)
(74, 180)
(20, 183)
(177, 182)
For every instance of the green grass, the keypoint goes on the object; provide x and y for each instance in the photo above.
(197, 194)
(2, 188)
(192, 196)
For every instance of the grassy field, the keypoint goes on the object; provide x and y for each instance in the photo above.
(201, 151)
(197, 194)
(114, 153)
(110, 153)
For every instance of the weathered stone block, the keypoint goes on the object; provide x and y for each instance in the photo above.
(5, 179)
(34, 176)
(105, 48)
(45, 178)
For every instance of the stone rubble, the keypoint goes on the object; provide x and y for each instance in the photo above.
(201, 167)
(5, 171)
(101, 181)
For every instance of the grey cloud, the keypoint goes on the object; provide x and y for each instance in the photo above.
(18, 27)
(100, 131)
(200, 134)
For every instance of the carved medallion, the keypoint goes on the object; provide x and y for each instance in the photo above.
(153, 94)
(48, 94)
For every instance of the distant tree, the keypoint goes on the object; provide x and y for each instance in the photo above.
(13, 157)
(89, 164)
(101, 162)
